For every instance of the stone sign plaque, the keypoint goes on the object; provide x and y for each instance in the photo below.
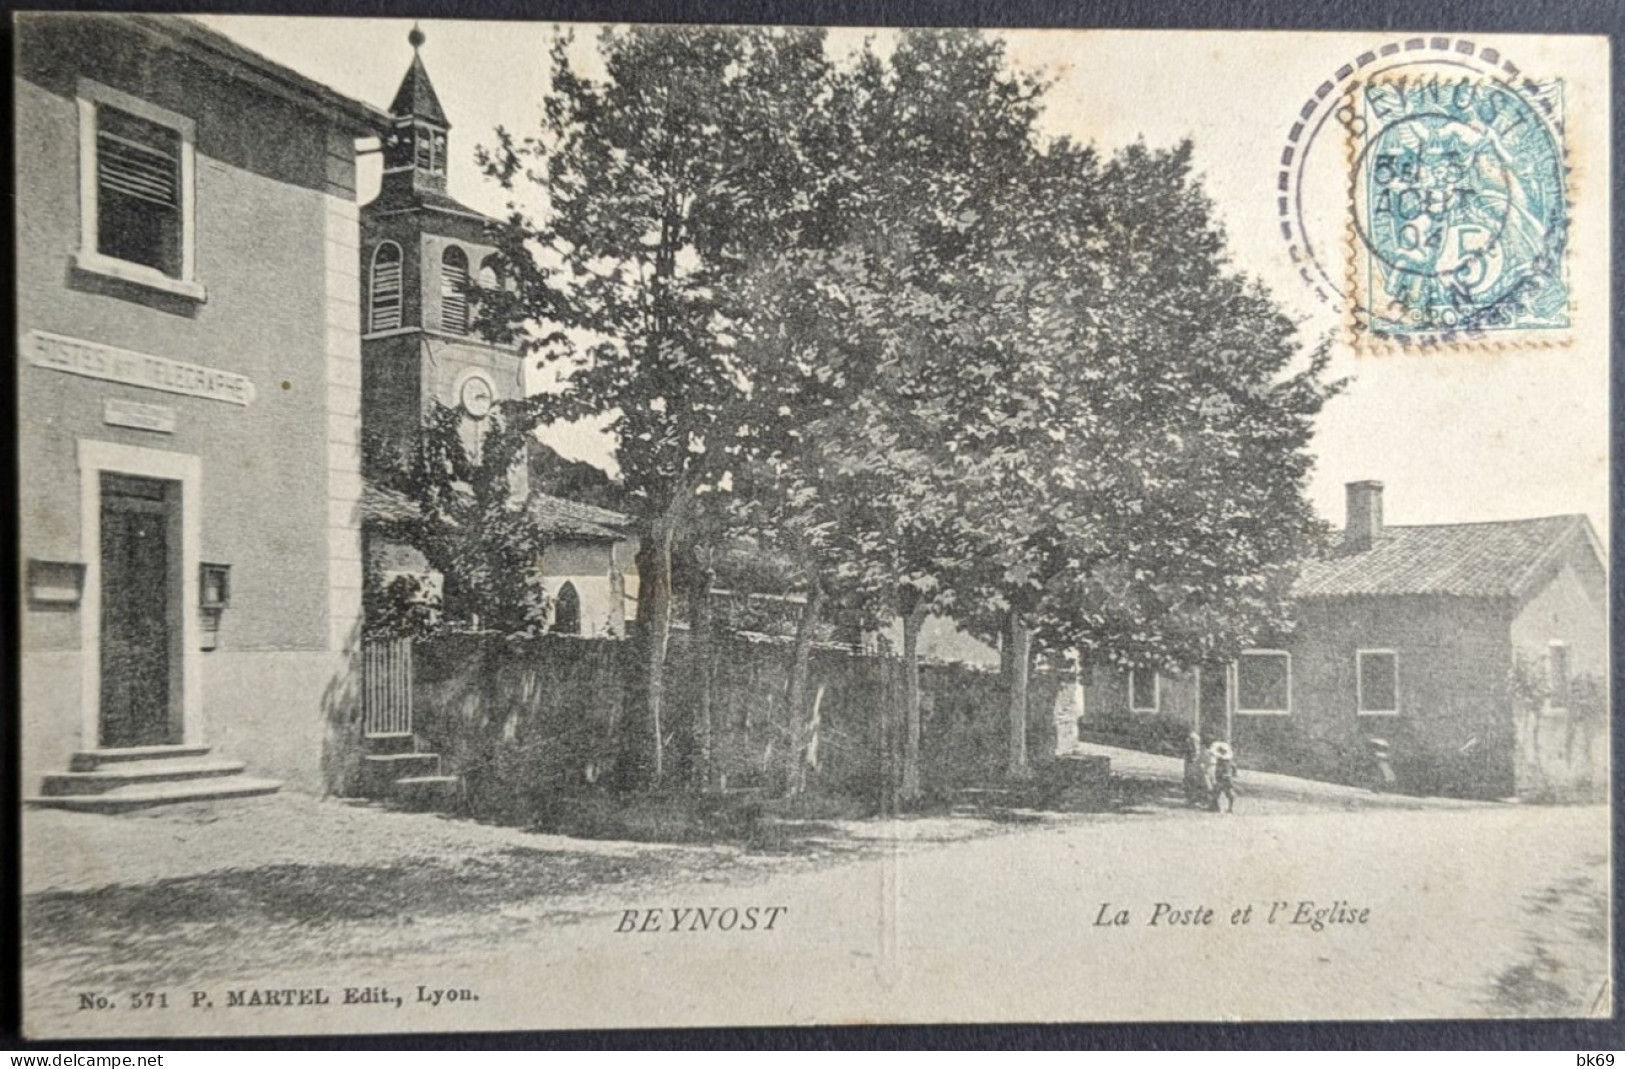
(138, 416)
(76, 356)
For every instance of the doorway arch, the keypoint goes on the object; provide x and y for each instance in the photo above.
(567, 610)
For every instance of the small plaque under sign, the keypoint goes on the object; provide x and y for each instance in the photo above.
(141, 417)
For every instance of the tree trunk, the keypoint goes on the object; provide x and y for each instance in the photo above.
(646, 743)
(704, 658)
(913, 617)
(888, 737)
(809, 748)
(1020, 660)
(630, 739)
(796, 692)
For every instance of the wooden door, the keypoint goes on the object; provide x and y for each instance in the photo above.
(139, 610)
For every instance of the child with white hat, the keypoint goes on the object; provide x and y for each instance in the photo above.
(1219, 768)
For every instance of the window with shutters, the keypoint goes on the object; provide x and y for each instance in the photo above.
(429, 149)
(454, 291)
(384, 288)
(136, 195)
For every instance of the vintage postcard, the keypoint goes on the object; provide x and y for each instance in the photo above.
(533, 526)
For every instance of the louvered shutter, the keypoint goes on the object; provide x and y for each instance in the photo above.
(454, 292)
(386, 288)
(138, 190)
(136, 170)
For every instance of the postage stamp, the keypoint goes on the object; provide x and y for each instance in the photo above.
(698, 526)
(1459, 212)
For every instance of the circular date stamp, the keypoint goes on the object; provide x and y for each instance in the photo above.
(1424, 192)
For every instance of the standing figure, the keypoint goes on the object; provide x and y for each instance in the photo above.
(1196, 791)
(1219, 772)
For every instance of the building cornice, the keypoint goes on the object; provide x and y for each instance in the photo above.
(222, 52)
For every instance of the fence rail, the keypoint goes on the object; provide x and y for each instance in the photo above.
(387, 686)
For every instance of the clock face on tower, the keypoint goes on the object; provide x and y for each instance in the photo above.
(476, 396)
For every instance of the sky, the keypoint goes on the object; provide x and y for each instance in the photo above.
(1459, 436)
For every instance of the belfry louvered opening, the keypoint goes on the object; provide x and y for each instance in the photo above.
(384, 289)
(454, 291)
(138, 191)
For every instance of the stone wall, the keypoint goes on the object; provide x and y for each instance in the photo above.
(526, 719)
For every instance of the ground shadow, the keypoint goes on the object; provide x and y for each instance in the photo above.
(320, 894)
(1565, 968)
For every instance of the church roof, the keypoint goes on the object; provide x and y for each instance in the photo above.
(401, 197)
(558, 517)
(416, 97)
(563, 518)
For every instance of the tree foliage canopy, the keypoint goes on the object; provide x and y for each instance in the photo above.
(459, 509)
(863, 314)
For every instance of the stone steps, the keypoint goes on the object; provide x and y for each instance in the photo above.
(394, 770)
(391, 742)
(118, 774)
(90, 760)
(426, 792)
(122, 799)
(113, 781)
(404, 764)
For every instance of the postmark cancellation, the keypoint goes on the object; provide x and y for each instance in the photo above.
(1459, 207)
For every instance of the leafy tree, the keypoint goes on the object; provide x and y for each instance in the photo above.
(1040, 390)
(862, 314)
(698, 150)
(1132, 421)
(1188, 514)
(852, 334)
(459, 510)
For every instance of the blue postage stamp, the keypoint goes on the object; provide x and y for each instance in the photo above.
(1460, 211)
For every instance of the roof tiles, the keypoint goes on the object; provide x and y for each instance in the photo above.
(416, 96)
(563, 517)
(1482, 560)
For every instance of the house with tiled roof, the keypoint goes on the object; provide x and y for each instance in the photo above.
(1467, 659)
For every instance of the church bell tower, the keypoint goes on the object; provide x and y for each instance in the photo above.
(425, 258)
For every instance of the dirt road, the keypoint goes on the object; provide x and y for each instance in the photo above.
(1285, 910)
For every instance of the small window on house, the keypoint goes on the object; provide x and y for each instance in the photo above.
(567, 610)
(384, 296)
(1144, 691)
(135, 190)
(1264, 682)
(1557, 675)
(454, 291)
(1377, 681)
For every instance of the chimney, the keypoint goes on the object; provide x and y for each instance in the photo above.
(1363, 523)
